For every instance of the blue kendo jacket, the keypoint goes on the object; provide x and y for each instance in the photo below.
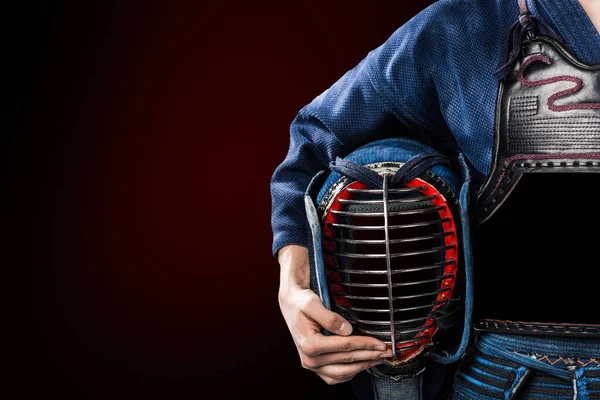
(432, 80)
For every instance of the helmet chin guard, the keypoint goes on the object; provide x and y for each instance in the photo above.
(389, 248)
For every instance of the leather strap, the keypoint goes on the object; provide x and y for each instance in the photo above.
(523, 7)
(538, 328)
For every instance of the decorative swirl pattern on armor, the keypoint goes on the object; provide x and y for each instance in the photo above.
(560, 78)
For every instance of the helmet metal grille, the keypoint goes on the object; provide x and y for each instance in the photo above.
(391, 260)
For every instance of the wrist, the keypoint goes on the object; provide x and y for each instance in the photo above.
(294, 268)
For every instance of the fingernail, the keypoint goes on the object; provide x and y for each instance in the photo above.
(345, 328)
(386, 355)
(381, 347)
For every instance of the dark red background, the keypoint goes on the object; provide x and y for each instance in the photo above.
(139, 144)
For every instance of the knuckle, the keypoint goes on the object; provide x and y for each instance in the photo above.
(307, 348)
(310, 350)
(303, 362)
(347, 345)
(330, 321)
(307, 303)
(307, 362)
(348, 358)
(301, 343)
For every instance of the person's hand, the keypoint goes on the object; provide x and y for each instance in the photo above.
(336, 358)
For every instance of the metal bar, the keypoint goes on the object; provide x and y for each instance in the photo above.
(390, 201)
(365, 285)
(399, 284)
(390, 214)
(355, 241)
(404, 341)
(392, 241)
(385, 310)
(397, 190)
(388, 259)
(406, 348)
(436, 279)
(372, 332)
(395, 271)
(418, 269)
(396, 323)
(394, 255)
(391, 227)
(404, 297)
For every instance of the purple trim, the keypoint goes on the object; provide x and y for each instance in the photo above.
(563, 156)
(566, 156)
(559, 78)
(523, 7)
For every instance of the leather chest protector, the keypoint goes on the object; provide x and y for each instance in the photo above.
(547, 117)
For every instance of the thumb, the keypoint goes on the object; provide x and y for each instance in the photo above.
(333, 322)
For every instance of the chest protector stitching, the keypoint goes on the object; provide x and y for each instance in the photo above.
(547, 119)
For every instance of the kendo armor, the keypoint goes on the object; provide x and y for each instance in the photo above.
(389, 228)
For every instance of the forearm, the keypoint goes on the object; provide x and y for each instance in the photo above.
(294, 268)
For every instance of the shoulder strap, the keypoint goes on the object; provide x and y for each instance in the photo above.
(523, 7)
(525, 28)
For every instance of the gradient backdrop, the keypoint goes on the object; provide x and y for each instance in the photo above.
(138, 147)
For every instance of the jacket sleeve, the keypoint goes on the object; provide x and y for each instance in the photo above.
(391, 92)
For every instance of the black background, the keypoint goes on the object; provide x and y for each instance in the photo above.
(138, 143)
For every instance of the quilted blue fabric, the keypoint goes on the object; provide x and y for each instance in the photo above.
(432, 81)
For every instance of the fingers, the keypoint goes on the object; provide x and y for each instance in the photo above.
(336, 358)
(314, 309)
(315, 344)
(333, 374)
(344, 358)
